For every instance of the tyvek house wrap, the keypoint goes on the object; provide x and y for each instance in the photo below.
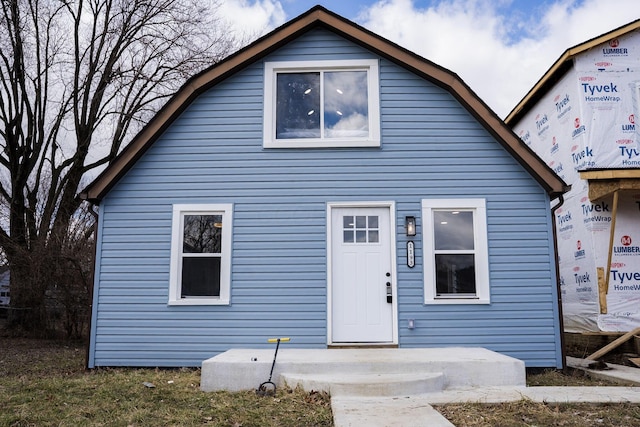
(587, 121)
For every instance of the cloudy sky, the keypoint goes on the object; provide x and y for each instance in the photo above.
(500, 48)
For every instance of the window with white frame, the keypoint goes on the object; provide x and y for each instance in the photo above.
(321, 104)
(456, 260)
(200, 254)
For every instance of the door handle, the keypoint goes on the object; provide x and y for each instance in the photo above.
(389, 295)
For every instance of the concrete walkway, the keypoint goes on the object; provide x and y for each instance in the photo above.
(416, 410)
(404, 411)
(625, 375)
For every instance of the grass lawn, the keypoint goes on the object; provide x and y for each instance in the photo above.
(43, 383)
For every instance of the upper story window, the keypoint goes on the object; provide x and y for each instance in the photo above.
(200, 255)
(321, 104)
(456, 260)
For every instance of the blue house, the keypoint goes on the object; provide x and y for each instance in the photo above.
(324, 184)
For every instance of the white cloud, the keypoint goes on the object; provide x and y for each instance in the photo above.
(475, 38)
(500, 53)
(251, 19)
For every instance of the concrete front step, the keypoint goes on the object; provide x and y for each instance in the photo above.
(391, 384)
(245, 369)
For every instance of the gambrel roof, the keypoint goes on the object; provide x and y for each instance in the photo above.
(319, 17)
(560, 68)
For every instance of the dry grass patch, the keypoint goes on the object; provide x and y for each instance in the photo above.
(45, 384)
(571, 378)
(526, 413)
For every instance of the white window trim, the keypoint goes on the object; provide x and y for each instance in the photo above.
(483, 290)
(179, 211)
(269, 132)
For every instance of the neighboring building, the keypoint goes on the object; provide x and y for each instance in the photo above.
(330, 186)
(580, 118)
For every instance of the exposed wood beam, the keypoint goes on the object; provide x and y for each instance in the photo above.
(617, 343)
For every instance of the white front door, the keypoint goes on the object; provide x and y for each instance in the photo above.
(361, 275)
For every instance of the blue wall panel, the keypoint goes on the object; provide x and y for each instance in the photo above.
(431, 147)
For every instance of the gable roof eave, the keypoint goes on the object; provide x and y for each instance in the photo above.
(559, 68)
(321, 17)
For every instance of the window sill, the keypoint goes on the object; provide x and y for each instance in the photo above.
(197, 301)
(321, 143)
(449, 301)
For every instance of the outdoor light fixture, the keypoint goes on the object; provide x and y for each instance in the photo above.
(410, 224)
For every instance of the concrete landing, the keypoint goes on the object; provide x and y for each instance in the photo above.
(446, 368)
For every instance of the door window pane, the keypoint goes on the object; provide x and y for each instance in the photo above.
(373, 222)
(348, 236)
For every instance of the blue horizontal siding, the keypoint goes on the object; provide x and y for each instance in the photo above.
(198, 312)
(431, 148)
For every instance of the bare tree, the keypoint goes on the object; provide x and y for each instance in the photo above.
(68, 296)
(77, 78)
